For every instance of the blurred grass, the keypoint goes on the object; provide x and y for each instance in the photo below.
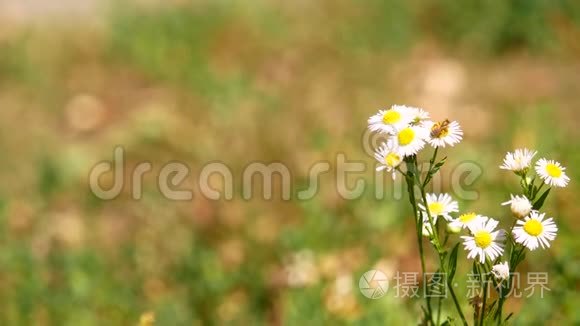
(236, 81)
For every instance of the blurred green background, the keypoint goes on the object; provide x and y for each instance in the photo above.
(242, 81)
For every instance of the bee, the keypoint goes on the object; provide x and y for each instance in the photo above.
(440, 129)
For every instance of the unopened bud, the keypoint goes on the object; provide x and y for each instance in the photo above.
(519, 205)
(453, 229)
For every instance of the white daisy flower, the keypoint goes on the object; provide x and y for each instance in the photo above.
(418, 116)
(501, 271)
(533, 231)
(484, 241)
(440, 205)
(444, 133)
(391, 120)
(410, 140)
(552, 173)
(466, 220)
(520, 206)
(519, 161)
(388, 158)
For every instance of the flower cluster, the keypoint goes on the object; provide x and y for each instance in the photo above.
(482, 242)
(551, 172)
(533, 230)
(409, 129)
(495, 251)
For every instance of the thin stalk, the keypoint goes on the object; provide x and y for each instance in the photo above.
(433, 229)
(538, 190)
(439, 311)
(424, 184)
(452, 292)
(445, 240)
(454, 297)
(413, 202)
(512, 269)
(431, 162)
(525, 185)
(500, 309)
(518, 256)
(418, 224)
(437, 245)
(484, 286)
(500, 289)
(483, 304)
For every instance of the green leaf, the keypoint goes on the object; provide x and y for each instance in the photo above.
(509, 316)
(438, 166)
(540, 202)
(426, 316)
(532, 189)
(452, 263)
(520, 259)
(434, 170)
(515, 259)
(490, 311)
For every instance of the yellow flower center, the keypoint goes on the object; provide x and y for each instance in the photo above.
(553, 170)
(392, 159)
(465, 218)
(482, 239)
(435, 209)
(391, 116)
(533, 227)
(406, 136)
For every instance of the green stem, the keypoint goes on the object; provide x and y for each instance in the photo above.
(431, 162)
(500, 308)
(418, 223)
(437, 245)
(425, 182)
(537, 191)
(454, 297)
(518, 257)
(525, 185)
(514, 257)
(412, 178)
(439, 311)
(483, 304)
(484, 286)
(512, 268)
(435, 235)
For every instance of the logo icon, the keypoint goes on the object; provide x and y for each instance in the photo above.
(373, 284)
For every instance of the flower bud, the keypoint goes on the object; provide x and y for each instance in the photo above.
(501, 271)
(453, 229)
(519, 205)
